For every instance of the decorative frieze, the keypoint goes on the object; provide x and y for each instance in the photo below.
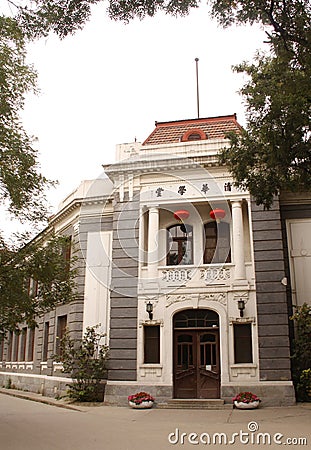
(220, 297)
(170, 299)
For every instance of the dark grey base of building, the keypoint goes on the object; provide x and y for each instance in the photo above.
(271, 393)
(275, 393)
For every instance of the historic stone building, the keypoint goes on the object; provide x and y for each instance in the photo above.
(192, 282)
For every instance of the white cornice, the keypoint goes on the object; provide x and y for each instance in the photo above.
(166, 162)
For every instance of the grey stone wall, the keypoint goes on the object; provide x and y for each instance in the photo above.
(123, 322)
(272, 312)
(270, 394)
(49, 386)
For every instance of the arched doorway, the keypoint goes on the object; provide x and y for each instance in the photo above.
(196, 354)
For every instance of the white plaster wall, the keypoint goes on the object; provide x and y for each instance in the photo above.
(97, 280)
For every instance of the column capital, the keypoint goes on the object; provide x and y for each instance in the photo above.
(153, 208)
(236, 203)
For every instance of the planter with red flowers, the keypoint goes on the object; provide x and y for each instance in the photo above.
(246, 400)
(141, 400)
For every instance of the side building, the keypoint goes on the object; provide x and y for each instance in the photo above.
(192, 282)
(26, 358)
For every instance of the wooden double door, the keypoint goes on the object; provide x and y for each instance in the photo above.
(196, 363)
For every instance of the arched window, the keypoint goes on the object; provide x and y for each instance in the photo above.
(193, 134)
(179, 245)
(196, 318)
(217, 243)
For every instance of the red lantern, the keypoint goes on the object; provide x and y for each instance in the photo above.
(217, 214)
(181, 214)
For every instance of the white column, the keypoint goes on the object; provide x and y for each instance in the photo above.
(238, 240)
(142, 236)
(153, 230)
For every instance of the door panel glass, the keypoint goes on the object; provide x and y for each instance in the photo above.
(208, 350)
(214, 355)
(185, 351)
(207, 338)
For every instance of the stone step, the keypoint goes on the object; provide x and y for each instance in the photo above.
(194, 403)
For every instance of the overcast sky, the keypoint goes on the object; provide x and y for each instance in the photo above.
(110, 82)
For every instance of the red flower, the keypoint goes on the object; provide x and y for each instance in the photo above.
(140, 397)
(246, 397)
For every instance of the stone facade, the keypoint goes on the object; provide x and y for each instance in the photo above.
(228, 278)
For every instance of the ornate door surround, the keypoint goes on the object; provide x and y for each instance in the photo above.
(196, 354)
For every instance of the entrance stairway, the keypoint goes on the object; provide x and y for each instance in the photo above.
(194, 403)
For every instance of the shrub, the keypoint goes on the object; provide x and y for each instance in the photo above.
(301, 357)
(304, 386)
(86, 362)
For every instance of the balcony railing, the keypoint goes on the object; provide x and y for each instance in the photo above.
(212, 275)
(216, 275)
(177, 274)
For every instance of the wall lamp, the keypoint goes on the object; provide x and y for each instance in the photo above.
(149, 309)
(241, 306)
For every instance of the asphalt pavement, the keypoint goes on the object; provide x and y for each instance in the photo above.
(39, 423)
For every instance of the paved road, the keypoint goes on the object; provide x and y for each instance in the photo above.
(27, 425)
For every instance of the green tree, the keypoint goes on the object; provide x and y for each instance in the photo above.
(273, 153)
(33, 279)
(21, 184)
(22, 193)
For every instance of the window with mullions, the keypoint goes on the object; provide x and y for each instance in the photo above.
(23, 344)
(31, 344)
(217, 243)
(243, 343)
(66, 251)
(61, 331)
(152, 344)
(180, 245)
(45, 341)
(196, 318)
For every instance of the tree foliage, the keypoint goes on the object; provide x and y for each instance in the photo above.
(127, 10)
(33, 280)
(273, 154)
(21, 184)
(62, 17)
(301, 358)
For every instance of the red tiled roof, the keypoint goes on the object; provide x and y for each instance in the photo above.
(213, 127)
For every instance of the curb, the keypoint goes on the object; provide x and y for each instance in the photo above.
(38, 398)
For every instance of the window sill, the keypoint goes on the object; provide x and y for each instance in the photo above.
(241, 365)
